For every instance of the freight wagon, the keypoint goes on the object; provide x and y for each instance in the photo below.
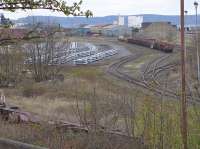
(153, 44)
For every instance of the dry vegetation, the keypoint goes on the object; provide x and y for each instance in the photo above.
(92, 98)
(87, 96)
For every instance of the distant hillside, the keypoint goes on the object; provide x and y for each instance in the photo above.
(76, 21)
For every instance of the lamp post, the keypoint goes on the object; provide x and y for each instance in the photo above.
(197, 46)
(183, 118)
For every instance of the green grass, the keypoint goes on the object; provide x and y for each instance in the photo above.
(88, 73)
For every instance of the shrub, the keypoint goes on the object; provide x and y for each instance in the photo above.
(32, 90)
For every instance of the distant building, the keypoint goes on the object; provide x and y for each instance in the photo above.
(194, 29)
(146, 24)
(159, 30)
(81, 31)
(135, 21)
(98, 29)
(115, 22)
(121, 20)
(20, 25)
(116, 31)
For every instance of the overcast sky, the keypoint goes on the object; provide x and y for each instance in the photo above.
(116, 7)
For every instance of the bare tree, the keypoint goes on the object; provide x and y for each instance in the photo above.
(42, 56)
(11, 65)
(55, 5)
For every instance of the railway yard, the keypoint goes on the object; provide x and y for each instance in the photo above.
(103, 69)
(83, 74)
(136, 65)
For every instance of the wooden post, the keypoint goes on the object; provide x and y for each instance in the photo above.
(183, 81)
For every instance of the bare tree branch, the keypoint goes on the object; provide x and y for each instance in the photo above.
(54, 5)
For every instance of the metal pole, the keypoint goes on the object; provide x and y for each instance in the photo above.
(183, 81)
(197, 46)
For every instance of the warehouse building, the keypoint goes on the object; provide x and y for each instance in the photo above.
(116, 31)
(159, 30)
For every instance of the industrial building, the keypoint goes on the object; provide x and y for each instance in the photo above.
(116, 31)
(135, 21)
(118, 28)
(121, 21)
(159, 30)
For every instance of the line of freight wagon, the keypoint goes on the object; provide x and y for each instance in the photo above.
(151, 43)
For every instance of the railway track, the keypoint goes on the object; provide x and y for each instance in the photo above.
(149, 72)
(115, 70)
(153, 71)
